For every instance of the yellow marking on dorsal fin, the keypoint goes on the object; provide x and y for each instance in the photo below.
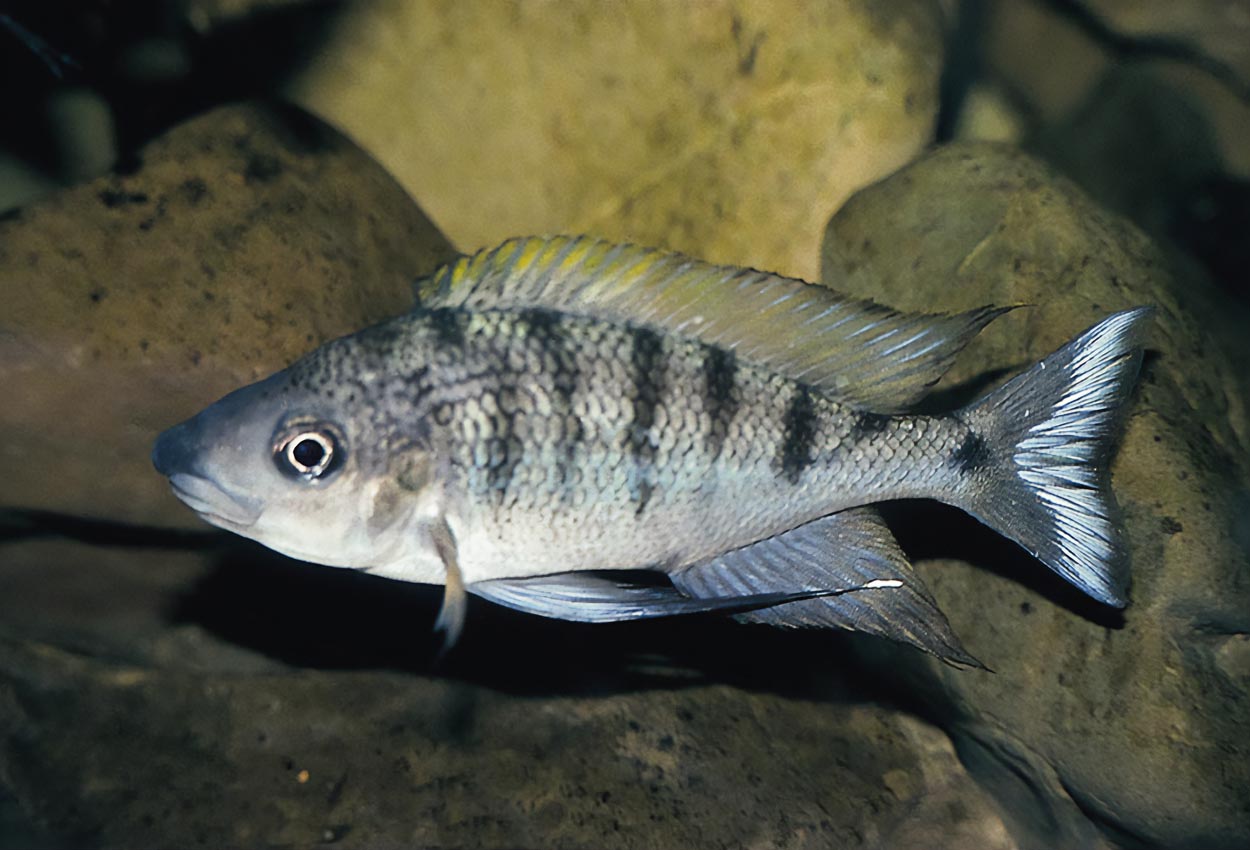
(853, 350)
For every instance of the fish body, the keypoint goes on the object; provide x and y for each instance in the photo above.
(564, 440)
(559, 408)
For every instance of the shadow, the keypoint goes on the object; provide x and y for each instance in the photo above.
(948, 398)
(319, 617)
(930, 530)
(18, 525)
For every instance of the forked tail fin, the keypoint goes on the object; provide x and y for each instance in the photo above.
(1050, 430)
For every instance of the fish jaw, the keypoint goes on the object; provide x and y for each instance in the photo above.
(214, 503)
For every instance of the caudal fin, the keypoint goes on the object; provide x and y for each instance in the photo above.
(1051, 431)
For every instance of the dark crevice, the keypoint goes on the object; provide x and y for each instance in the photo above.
(962, 67)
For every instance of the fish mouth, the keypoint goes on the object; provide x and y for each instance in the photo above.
(214, 503)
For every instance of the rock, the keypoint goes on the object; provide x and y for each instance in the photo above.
(1050, 82)
(1164, 144)
(124, 603)
(988, 115)
(242, 239)
(729, 131)
(1141, 717)
(1081, 73)
(83, 127)
(1156, 137)
(1159, 138)
(1214, 31)
(151, 697)
(1154, 132)
(20, 183)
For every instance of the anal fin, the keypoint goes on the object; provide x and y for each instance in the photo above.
(847, 549)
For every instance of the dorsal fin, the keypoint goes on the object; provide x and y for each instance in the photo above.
(853, 350)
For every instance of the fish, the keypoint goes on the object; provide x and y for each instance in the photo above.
(602, 432)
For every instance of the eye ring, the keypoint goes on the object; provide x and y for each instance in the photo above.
(309, 452)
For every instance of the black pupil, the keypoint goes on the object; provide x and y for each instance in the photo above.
(308, 453)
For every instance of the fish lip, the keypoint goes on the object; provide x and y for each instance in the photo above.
(213, 502)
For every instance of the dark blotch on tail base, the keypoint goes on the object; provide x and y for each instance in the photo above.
(972, 455)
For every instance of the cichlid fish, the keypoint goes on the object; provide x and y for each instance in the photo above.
(558, 412)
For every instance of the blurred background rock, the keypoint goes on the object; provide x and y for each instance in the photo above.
(162, 685)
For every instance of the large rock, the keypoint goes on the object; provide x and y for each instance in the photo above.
(239, 240)
(1140, 718)
(151, 697)
(731, 131)
(1152, 132)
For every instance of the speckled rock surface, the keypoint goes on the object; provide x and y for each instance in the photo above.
(240, 240)
(218, 697)
(727, 130)
(1141, 717)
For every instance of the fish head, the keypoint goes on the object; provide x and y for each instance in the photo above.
(304, 466)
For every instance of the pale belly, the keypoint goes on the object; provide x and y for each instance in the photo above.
(680, 527)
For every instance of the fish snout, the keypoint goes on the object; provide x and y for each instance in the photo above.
(170, 454)
(178, 455)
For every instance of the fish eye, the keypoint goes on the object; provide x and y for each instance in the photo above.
(308, 452)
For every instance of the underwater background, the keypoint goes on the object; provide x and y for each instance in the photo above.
(193, 193)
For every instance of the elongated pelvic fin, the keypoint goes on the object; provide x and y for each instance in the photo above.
(856, 351)
(854, 547)
(587, 597)
(1046, 436)
(455, 602)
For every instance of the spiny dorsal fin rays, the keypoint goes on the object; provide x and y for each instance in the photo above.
(857, 351)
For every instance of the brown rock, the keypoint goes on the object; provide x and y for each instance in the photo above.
(244, 238)
(1142, 719)
(130, 756)
(158, 695)
(729, 131)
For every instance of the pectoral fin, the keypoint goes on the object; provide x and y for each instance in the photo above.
(455, 602)
(847, 549)
(590, 597)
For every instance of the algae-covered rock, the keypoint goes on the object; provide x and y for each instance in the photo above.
(151, 697)
(730, 131)
(1141, 717)
(239, 240)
